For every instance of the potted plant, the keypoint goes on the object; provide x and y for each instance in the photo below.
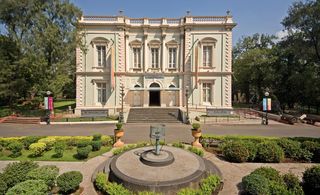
(196, 133)
(118, 133)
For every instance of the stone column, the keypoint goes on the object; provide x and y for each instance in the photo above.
(145, 53)
(145, 98)
(163, 62)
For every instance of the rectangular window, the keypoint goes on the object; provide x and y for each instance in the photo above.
(102, 92)
(136, 57)
(206, 92)
(207, 56)
(172, 57)
(101, 55)
(154, 57)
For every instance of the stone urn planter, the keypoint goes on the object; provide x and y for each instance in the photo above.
(118, 133)
(196, 133)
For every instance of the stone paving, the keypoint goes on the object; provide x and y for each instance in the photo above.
(232, 172)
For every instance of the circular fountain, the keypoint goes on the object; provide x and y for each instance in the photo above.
(161, 169)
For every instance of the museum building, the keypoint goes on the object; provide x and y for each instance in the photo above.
(159, 62)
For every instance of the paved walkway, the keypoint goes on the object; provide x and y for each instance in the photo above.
(232, 172)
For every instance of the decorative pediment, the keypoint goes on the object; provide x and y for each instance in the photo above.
(172, 43)
(208, 40)
(135, 43)
(154, 43)
(99, 40)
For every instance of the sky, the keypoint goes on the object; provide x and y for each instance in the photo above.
(251, 16)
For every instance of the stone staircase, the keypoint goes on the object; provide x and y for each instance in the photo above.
(154, 115)
(22, 120)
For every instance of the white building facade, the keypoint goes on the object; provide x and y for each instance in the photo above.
(157, 61)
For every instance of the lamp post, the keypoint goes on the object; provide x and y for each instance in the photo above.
(121, 111)
(48, 110)
(187, 107)
(266, 94)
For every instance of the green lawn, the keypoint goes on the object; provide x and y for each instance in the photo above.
(68, 155)
(62, 105)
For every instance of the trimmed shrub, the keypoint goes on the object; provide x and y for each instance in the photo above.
(314, 148)
(196, 150)
(269, 173)
(15, 147)
(34, 187)
(83, 143)
(49, 141)
(100, 181)
(47, 173)
(188, 191)
(277, 188)
(148, 193)
(116, 189)
(69, 182)
(235, 151)
(291, 148)
(96, 145)
(96, 137)
(37, 149)
(252, 149)
(83, 152)
(3, 187)
(209, 184)
(195, 126)
(255, 184)
(27, 141)
(293, 184)
(311, 180)
(119, 126)
(106, 140)
(16, 172)
(59, 148)
(269, 152)
(178, 145)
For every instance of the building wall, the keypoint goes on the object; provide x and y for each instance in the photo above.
(188, 35)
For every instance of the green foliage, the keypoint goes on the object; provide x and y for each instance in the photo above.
(188, 191)
(83, 143)
(106, 140)
(278, 188)
(124, 149)
(83, 152)
(314, 148)
(269, 152)
(291, 148)
(16, 172)
(96, 145)
(311, 180)
(107, 187)
(178, 145)
(235, 151)
(69, 181)
(3, 187)
(255, 184)
(47, 173)
(119, 126)
(28, 140)
(195, 126)
(209, 184)
(100, 181)
(293, 184)
(59, 149)
(37, 148)
(15, 148)
(96, 137)
(196, 150)
(34, 187)
(268, 173)
(49, 141)
(148, 193)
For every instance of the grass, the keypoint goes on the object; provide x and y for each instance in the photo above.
(68, 155)
(63, 105)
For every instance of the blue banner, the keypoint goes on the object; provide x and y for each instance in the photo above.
(264, 104)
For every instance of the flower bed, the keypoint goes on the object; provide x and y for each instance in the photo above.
(53, 148)
(263, 149)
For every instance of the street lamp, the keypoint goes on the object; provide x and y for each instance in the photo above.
(121, 111)
(48, 110)
(266, 94)
(187, 94)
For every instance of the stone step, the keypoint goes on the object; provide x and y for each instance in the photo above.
(153, 115)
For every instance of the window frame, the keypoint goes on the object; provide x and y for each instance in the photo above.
(172, 65)
(101, 99)
(102, 55)
(139, 64)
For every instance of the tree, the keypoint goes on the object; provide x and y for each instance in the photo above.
(46, 34)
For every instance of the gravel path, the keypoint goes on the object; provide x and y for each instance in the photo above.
(232, 172)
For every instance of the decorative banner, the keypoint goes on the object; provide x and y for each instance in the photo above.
(266, 104)
(269, 104)
(46, 103)
(50, 102)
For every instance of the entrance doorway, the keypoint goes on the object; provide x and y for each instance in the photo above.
(154, 94)
(154, 98)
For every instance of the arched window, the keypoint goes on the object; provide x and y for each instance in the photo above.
(154, 85)
(137, 86)
(172, 86)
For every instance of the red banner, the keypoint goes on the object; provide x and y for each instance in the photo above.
(50, 103)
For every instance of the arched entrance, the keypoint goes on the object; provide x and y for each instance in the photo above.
(154, 94)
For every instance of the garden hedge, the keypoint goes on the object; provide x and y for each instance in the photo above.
(34, 187)
(37, 149)
(311, 180)
(69, 182)
(47, 173)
